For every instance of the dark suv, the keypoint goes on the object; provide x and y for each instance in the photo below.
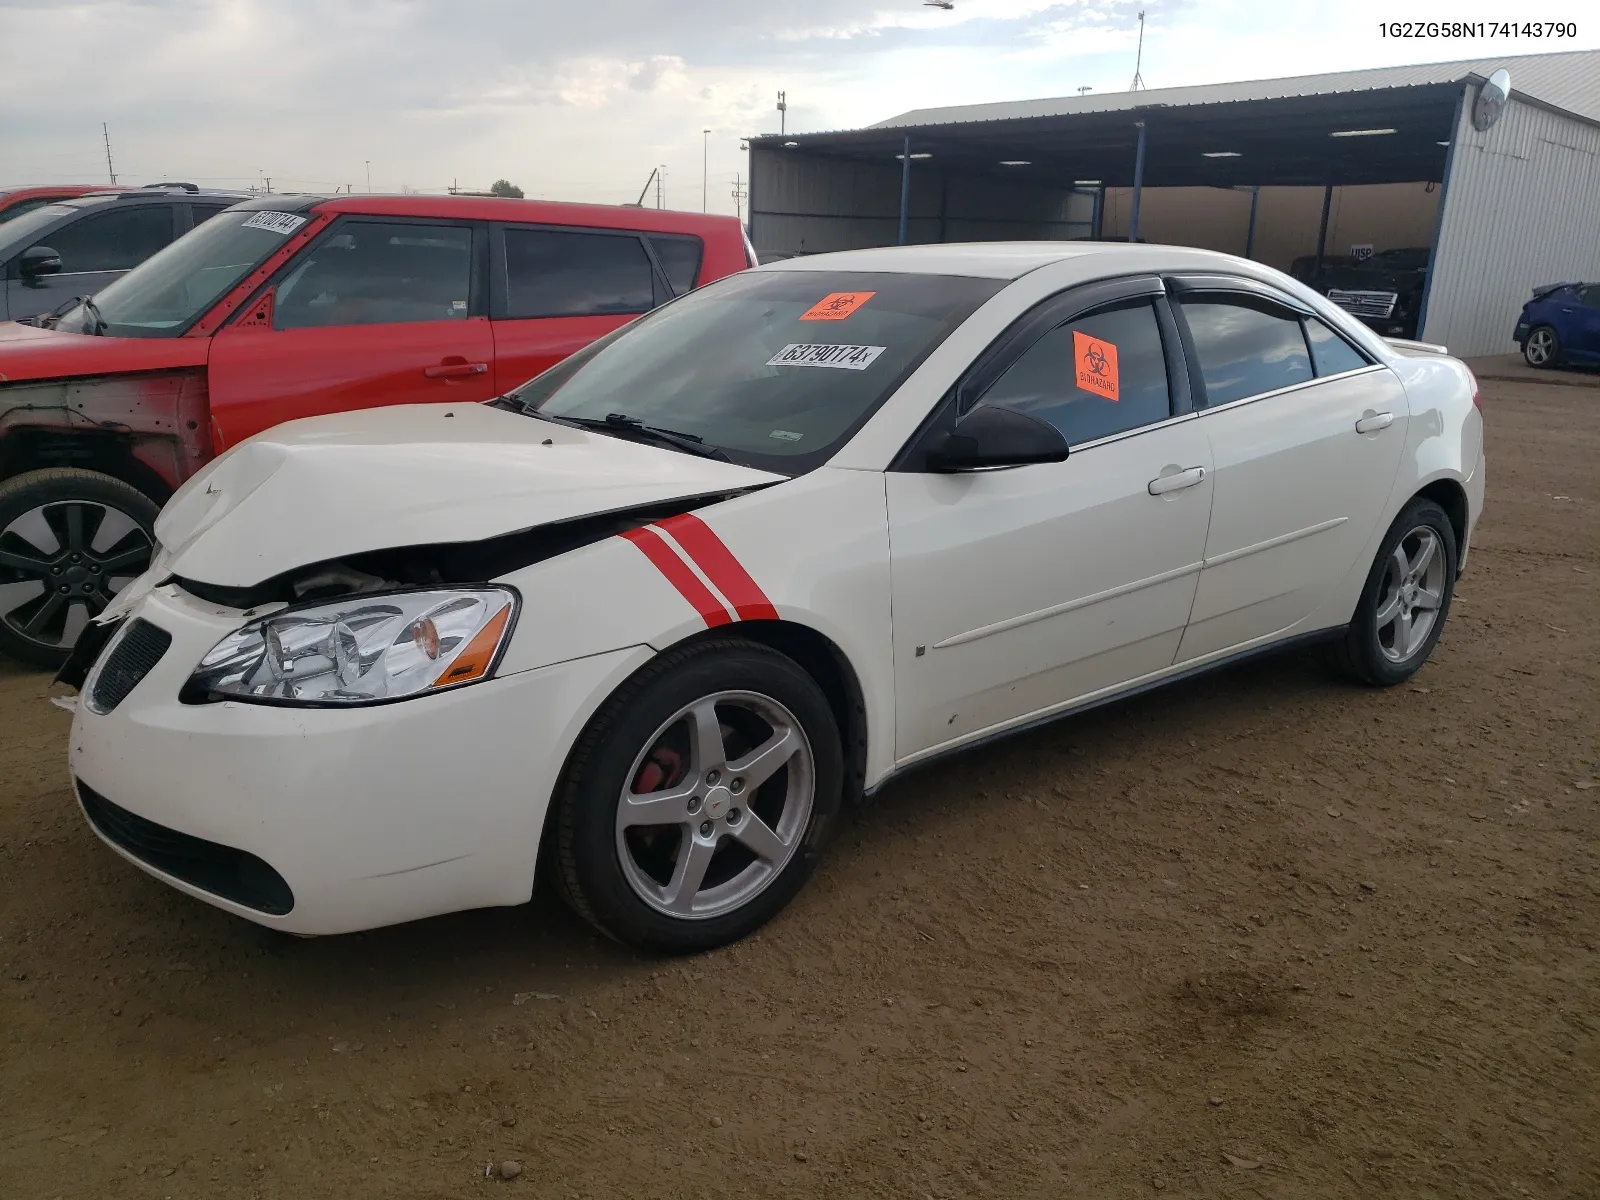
(77, 246)
(1384, 290)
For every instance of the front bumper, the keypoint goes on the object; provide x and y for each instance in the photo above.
(368, 816)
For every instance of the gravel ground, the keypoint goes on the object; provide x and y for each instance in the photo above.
(1263, 934)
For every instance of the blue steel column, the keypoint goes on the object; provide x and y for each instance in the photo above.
(905, 190)
(1438, 216)
(1097, 222)
(1250, 235)
(1138, 187)
(1322, 230)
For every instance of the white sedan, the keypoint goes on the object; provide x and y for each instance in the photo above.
(646, 622)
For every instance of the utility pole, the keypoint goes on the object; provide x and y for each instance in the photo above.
(269, 185)
(739, 194)
(705, 169)
(783, 113)
(110, 170)
(1085, 89)
(369, 175)
(1138, 79)
(661, 187)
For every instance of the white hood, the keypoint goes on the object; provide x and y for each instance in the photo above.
(406, 476)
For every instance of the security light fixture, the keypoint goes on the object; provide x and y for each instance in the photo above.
(920, 154)
(790, 145)
(1086, 183)
(1016, 162)
(1220, 154)
(1360, 132)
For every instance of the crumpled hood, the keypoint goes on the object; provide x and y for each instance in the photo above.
(410, 475)
(28, 354)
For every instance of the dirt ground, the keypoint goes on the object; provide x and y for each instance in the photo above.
(1260, 935)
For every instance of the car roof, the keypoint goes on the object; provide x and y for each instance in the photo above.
(497, 208)
(1009, 260)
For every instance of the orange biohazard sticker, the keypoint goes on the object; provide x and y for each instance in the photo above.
(1097, 365)
(837, 306)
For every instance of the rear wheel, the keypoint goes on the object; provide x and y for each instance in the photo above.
(699, 799)
(69, 541)
(1543, 347)
(1407, 598)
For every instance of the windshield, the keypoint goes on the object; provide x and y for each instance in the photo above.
(22, 230)
(172, 289)
(777, 369)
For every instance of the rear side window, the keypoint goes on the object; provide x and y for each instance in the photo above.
(1330, 353)
(1095, 376)
(204, 212)
(1244, 350)
(557, 273)
(680, 259)
(113, 241)
(23, 206)
(371, 273)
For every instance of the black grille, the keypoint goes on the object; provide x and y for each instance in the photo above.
(131, 659)
(211, 867)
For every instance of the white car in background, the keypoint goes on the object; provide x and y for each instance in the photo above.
(647, 621)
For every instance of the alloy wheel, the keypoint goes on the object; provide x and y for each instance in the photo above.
(1541, 346)
(60, 565)
(1412, 594)
(715, 805)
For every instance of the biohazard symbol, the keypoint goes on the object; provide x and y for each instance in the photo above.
(1096, 366)
(836, 306)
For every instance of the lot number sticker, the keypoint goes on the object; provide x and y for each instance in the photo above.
(836, 306)
(812, 354)
(275, 222)
(1097, 365)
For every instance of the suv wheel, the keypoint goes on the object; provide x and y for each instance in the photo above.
(69, 541)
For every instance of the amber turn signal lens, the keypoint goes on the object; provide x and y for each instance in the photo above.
(474, 662)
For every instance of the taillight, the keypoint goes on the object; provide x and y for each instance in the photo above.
(1477, 401)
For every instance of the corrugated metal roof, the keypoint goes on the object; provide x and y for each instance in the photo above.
(1569, 81)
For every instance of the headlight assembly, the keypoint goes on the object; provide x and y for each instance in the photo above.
(360, 649)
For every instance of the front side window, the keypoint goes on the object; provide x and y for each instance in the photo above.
(376, 273)
(680, 259)
(113, 241)
(169, 292)
(1330, 353)
(1245, 350)
(775, 369)
(1096, 376)
(562, 273)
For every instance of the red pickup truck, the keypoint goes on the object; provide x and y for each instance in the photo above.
(285, 307)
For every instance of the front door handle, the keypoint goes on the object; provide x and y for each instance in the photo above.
(456, 368)
(1372, 422)
(1177, 481)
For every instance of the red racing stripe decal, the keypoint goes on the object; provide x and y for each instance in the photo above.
(680, 576)
(720, 566)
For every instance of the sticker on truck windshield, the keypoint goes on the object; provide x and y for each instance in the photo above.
(813, 354)
(275, 222)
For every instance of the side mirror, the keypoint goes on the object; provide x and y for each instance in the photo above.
(38, 260)
(997, 437)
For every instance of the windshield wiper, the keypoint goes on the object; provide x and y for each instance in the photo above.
(99, 323)
(621, 423)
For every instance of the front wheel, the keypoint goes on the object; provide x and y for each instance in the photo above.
(699, 799)
(1543, 347)
(69, 541)
(1407, 598)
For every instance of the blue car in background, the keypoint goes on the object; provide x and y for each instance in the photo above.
(1561, 325)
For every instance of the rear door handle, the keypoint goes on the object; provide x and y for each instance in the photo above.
(1176, 482)
(1373, 422)
(456, 370)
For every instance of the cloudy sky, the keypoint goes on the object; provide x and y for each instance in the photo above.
(579, 99)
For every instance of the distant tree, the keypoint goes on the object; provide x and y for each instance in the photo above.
(504, 187)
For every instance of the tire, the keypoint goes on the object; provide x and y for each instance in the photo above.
(1542, 348)
(69, 541)
(628, 875)
(1372, 650)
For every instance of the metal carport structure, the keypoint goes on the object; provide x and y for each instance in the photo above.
(1044, 169)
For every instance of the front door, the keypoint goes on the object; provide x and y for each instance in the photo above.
(1307, 436)
(373, 312)
(95, 251)
(1020, 591)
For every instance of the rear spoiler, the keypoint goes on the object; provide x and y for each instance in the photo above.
(1544, 289)
(1416, 349)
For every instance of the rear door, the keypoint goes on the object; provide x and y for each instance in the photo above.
(374, 311)
(554, 290)
(1306, 435)
(95, 249)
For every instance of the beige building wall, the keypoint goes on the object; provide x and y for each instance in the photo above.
(1388, 215)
